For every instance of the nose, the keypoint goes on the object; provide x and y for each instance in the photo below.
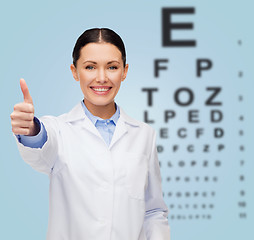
(101, 76)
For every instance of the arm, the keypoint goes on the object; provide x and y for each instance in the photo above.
(23, 123)
(156, 222)
(43, 159)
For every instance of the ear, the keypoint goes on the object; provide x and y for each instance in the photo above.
(74, 72)
(125, 71)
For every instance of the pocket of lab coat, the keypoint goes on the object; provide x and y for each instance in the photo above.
(136, 175)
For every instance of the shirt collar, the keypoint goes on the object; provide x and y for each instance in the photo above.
(77, 113)
(94, 119)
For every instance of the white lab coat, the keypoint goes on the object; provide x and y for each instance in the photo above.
(100, 192)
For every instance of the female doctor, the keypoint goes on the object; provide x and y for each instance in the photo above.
(105, 181)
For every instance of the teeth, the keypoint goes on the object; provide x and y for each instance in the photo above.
(101, 89)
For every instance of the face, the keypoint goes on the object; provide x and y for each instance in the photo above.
(100, 72)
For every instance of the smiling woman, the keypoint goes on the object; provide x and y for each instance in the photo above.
(100, 71)
(105, 181)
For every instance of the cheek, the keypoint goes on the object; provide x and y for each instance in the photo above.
(86, 77)
(116, 78)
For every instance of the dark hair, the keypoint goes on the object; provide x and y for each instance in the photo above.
(98, 35)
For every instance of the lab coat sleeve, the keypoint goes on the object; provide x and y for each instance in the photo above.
(43, 159)
(156, 221)
(36, 141)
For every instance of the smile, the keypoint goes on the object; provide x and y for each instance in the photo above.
(101, 90)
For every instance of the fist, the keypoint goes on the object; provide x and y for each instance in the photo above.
(22, 117)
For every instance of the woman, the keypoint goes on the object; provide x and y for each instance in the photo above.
(104, 174)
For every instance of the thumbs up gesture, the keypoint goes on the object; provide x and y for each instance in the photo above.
(22, 118)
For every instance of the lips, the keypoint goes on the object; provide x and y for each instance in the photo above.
(101, 90)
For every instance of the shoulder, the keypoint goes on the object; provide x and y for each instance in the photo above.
(142, 126)
(74, 114)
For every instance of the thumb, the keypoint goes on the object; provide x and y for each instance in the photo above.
(25, 91)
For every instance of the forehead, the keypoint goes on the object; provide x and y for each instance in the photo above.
(100, 51)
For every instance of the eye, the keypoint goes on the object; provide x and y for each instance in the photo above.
(89, 67)
(113, 67)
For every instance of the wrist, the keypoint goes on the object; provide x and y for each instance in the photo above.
(35, 128)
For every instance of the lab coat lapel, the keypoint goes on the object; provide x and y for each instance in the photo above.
(120, 130)
(76, 114)
(121, 126)
(88, 125)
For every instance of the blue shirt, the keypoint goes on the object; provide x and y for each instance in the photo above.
(106, 128)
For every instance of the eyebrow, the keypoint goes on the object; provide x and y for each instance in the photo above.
(96, 62)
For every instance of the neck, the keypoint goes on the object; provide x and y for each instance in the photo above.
(104, 112)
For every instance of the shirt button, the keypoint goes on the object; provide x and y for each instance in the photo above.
(108, 121)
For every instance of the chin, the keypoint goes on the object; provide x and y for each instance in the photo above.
(101, 103)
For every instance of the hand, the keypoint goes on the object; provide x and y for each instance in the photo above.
(22, 118)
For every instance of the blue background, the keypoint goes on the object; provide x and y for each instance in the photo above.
(37, 39)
